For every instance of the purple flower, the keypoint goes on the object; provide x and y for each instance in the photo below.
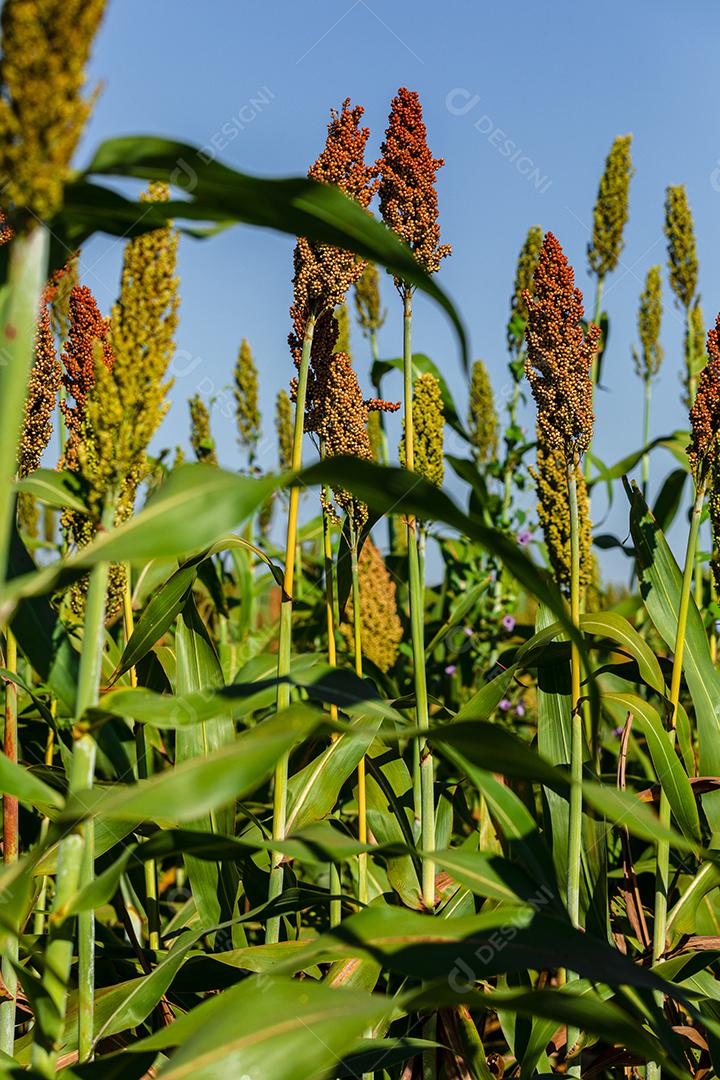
(524, 537)
(520, 709)
(617, 732)
(450, 669)
(508, 623)
(505, 705)
(468, 631)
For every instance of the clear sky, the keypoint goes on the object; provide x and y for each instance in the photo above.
(559, 80)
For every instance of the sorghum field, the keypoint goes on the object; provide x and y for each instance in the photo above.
(282, 796)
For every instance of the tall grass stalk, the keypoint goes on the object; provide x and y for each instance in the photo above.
(143, 753)
(26, 276)
(576, 734)
(335, 883)
(76, 852)
(272, 930)
(646, 436)
(10, 845)
(662, 874)
(357, 655)
(427, 800)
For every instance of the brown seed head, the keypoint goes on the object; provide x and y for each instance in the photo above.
(323, 273)
(705, 414)
(87, 334)
(560, 354)
(408, 198)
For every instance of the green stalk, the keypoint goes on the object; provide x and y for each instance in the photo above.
(662, 874)
(595, 365)
(272, 929)
(384, 455)
(576, 734)
(76, 853)
(10, 846)
(427, 799)
(18, 309)
(335, 884)
(646, 436)
(39, 916)
(357, 649)
(143, 753)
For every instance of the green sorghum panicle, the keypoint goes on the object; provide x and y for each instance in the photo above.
(368, 309)
(284, 429)
(611, 208)
(428, 417)
(380, 628)
(245, 390)
(695, 339)
(143, 324)
(524, 283)
(649, 320)
(681, 249)
(554, 514)
(482, 416)
(201, 438)
(45, 46)
(560, 355)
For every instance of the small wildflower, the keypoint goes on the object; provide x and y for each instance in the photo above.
(520, 710)
(508, 623)
(450, 669)
(505, 705)
(524, 537)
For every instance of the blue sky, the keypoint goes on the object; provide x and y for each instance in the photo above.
(559, 81)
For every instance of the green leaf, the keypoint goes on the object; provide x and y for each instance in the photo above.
(297, 206)
(60, 489)
(271, 1027)
(423, 365)
(661, 582)
(194, 507)
(202, 785)
(670, 773)
(21, 784)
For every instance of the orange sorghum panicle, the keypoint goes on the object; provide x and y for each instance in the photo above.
(560, 354)
(88, 331)
(408, 198)
(323, 273)
(380, 628)
(705, 414)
